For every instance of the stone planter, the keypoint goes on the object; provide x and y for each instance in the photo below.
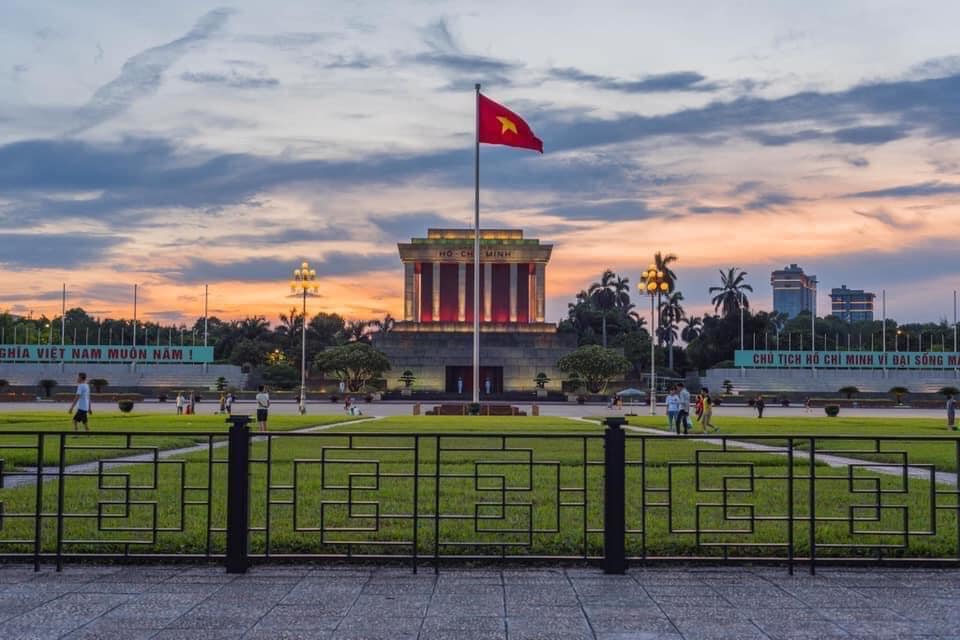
(541, 393)
(406, 392)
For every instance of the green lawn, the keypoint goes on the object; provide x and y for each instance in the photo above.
(20, 450)
(356, 483)
(942, 451)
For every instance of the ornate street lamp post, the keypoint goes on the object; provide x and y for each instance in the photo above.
(654, 284)
(304, 284)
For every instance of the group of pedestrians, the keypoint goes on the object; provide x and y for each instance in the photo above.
(679, 403)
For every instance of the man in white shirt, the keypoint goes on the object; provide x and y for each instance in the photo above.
(683, 415)
(263, 404)
(82, 402)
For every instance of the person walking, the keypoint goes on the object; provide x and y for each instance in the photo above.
(223, 403)
(81, 400)
(230, 400)
(673, 408)
(263, 404)
(705, 417)
(683, 413)
(347, 405)
(193, 403)
(179, 403)
(951, 413)
(759, 404)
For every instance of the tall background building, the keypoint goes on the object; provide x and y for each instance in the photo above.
(793, 291)
(852, 305)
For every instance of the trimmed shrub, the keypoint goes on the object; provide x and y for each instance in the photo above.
(473, 408)
(125, 405)
(849, 391)
(944, 391)
(832, 410)
(98, 384)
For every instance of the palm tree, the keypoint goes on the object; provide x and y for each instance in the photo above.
(663, 262)
(621, 289)
(730, 292)
(603, 294)
(692, 331)
(671, 313)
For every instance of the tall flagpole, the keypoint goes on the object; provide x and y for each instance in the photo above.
(476, 252)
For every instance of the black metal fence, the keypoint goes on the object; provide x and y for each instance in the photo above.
(611, 499)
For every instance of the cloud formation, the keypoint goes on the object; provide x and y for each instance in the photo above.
(142, 74)
(659, 83)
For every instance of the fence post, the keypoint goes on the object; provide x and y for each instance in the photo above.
(238, 494)
(614, 516)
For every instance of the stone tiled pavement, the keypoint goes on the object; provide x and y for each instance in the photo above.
(165, 602)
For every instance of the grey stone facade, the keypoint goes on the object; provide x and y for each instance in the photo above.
(521, 354)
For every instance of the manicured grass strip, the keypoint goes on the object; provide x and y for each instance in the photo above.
(941, 453)
(492, 500)
(194, 428)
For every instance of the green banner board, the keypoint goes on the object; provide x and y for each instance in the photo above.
(846, 359)
(108, 354)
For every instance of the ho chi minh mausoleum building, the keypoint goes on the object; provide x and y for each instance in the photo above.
(435, 338)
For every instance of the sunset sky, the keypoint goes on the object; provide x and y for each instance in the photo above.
(185, 143)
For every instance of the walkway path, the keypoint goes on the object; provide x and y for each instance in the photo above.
(350, 603)
(28, 475)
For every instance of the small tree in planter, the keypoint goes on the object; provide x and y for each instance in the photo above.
(3, 384)
(98, 384)
(541, 381)
(728, 387)
(48, 385)
(898, 392)
(944, 391)
(832, 410)
(407, 378)
(221, 383)
(849, 391)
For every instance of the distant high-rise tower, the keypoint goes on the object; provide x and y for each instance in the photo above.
(852, 305)
(793, 291)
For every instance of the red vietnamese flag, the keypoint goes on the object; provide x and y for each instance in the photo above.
(499, 125)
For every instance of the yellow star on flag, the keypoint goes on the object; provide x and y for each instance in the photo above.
(506, 124)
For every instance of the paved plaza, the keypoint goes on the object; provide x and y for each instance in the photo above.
(164, 602)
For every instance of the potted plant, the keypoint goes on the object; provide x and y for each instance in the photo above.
(832, 410)
(473, 408)
(407, 378)
(898, 392)
(98, 384)
(125, 405)
(541, 381)
(728, 387)
(849, 391)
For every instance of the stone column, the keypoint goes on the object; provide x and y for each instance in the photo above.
(462, 292)
(436, 291)
(417, 282)
(513, 292)
(531, 297)
(409, 290)
(541, 291)
(487, 291)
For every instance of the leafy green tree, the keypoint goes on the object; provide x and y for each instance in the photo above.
(355, 363)
(541, 380)
(250, 351)
(281, 376)
(595, 365)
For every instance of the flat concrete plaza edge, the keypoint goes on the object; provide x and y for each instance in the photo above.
(166, 602)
